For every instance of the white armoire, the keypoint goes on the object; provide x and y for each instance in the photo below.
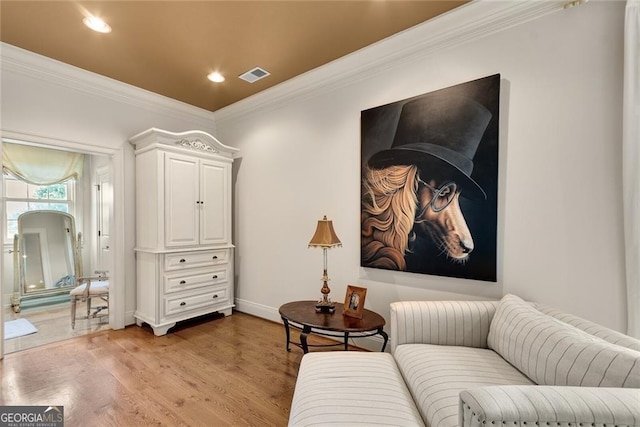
(184, 253)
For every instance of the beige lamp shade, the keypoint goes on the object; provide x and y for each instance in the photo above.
(325, 236)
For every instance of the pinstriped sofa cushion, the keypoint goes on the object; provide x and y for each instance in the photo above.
(551, 352)
(351, 388)
(606, 334)
(437, 374)
(464, 323)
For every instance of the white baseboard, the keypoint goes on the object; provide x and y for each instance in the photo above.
(373, 343)
(129, 319)
(258, 310)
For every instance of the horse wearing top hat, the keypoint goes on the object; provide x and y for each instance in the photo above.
(413, 188)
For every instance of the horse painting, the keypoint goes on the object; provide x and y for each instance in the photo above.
(397, 204)
(429, 182)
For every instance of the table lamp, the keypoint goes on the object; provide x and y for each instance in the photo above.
(325, 238)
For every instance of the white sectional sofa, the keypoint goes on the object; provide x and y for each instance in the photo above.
(476, 363)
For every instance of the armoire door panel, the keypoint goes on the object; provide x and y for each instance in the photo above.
(214, 209)
(182, 201)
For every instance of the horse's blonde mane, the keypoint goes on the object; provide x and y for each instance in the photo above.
(388, 209)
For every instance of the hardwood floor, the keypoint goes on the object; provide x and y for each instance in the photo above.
(220, 372)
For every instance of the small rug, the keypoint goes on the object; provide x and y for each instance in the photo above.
(17, 328)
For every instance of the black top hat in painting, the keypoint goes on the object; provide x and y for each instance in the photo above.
(440, 134)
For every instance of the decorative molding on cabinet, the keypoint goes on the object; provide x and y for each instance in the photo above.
(197, 145)
(193, 140)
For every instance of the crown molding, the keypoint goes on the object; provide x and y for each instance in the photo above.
(474, 20)
(23, 62)
(469, 22)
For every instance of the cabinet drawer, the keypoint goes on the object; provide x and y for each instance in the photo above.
(181, 304)
(182, 281)
(182, 260)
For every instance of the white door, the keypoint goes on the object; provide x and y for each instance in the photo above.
(182, 201)
(214, 203)
(104, 199)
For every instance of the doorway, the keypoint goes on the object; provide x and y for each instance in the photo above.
(93, 212)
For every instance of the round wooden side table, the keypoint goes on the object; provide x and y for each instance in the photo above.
(302, 316)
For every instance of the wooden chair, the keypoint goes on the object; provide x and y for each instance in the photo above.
(88, 288)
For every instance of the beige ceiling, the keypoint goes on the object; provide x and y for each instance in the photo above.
(169, 47)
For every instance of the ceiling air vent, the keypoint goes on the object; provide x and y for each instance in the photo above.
(254, 75)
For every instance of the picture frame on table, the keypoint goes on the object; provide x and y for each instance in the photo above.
(354, 301)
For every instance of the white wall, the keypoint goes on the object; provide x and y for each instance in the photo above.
(560, 210)
(53, 101)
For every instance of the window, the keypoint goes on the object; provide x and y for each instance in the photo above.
(22, 197)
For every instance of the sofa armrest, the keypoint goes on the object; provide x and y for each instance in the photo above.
(462, 323)
(549, 406)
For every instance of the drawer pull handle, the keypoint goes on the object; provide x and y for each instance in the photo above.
(215, 257)
(183, 304)
(215, 277)
(215, 296)
(182, 260)
(182, 282)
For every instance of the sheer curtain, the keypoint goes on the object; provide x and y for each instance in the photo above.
(41, 166)
(631, 162)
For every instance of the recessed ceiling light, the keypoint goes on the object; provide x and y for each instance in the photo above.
(96, 24)
(216, 77)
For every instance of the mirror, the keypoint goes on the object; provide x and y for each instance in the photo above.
(46, 254)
